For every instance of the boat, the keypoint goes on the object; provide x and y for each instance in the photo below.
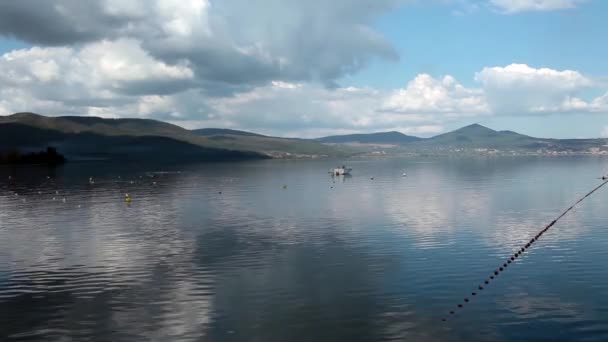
(341, 171)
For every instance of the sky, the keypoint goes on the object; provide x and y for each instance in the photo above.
(313, 68)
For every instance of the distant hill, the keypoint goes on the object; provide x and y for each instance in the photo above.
(79, 124)
(93, 146)
(469, 138)
(142, 139)
(396, 138)
(206, 132)
(273, 146)
(476, 135)
(92, 137)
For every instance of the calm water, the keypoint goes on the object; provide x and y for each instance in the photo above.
(355, 260)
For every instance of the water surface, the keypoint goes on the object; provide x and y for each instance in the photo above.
(281, 251)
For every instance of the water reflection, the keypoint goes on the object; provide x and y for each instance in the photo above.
(226, 252)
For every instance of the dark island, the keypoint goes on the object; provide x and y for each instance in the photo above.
(49, 157)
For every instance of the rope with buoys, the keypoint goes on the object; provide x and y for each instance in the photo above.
(528, 244)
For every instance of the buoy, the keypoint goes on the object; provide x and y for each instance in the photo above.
(404, 175)
(284, 186)
(372, 178)
(128, 198)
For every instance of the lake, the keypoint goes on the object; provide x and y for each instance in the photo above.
(281, 251)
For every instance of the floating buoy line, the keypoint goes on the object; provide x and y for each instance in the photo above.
(511, 260)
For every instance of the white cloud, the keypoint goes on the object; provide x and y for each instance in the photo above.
(426, 94)
(124, 60)
(230, 45)
(193, 63)
(62, 80)
(521, 89)
(516, 6)
(120, 79)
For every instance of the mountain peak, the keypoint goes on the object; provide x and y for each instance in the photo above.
(476, 128)
(24, 115)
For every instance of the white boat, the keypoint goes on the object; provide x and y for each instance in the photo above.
(341, 171)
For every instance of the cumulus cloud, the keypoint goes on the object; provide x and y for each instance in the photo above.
(103, 74)
(423, 106)
(516, 6)
(426, 94)
(521, 89)
(237, 64)
(231, 45)
(310, 110)
(120, 79)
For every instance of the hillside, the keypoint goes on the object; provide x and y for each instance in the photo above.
(274, 146)
(92, 146)
(86, 137)
(395, 138)
(143, 139)
(206, 132)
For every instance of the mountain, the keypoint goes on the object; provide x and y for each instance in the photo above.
(473, 138)
(476, 135)
(392, 138)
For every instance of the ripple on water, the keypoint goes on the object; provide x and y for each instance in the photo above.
(365, 260)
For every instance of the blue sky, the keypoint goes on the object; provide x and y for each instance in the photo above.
(293, 68)
(431, 38)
